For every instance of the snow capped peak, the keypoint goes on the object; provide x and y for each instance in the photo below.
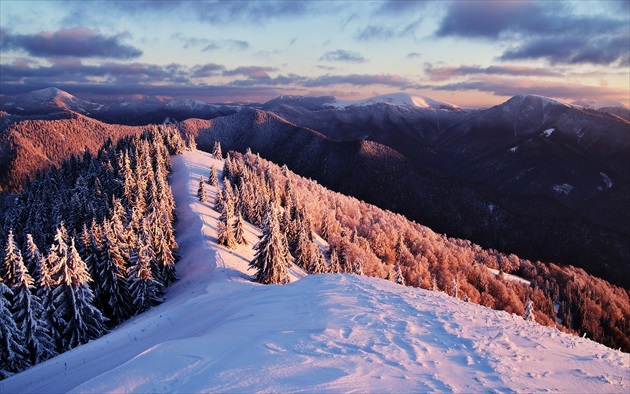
(47, 94)
(397, 99)
(542, 99)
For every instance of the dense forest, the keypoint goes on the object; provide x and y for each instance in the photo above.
(367, 240)
(86, 245)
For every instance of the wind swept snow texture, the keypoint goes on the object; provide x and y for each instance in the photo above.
(218, 331)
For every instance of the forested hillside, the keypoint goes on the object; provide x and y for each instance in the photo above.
(367, 240)
(86, 246)
(32, 143)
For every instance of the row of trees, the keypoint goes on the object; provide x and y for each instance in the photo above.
(105, 224)
(364, 239)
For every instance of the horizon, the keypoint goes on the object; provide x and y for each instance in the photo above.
(471, 54)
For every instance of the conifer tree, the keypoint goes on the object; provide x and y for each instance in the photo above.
(239, 232)
(75, 318)
(32, 257)
(272, 255)
(111, 279)
(529, 311)
(13, 354)
(213, 179)
(12, 258)
(145, 290)
(201, 191)
(399, 277)
(454, 292)
(29, 316)
(335, 267)
(216, 151)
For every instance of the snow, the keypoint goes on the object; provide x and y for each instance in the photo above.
(397, 99)
(547, 133)
(514, 149)
(218, 331)
(607, 180)
(565, 188)
(511, 277)
(190, 104)
(596, 104)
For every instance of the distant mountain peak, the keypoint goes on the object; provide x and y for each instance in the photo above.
(398, 99)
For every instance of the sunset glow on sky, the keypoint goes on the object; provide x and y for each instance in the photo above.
(464, 52)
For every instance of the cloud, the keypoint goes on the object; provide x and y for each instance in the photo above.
(207, 70)
(373, 32)
(413, 55)
(79, 42)
(238, 45)
(444, 73)
(604, 50)
(398, 7)
(501, 86)
(541, 30)
(210, 45)
(342, 55)
(222, 12)
(255, 72)
(359, 80)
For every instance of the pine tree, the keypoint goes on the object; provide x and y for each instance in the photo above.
(213, 179)
(201, 191)
(216, 151)
(32, 257)
(239, 233)
(399, 277)
(111, 279)
(272, 255)
(335, 267)
(74, 317)
(29, 316)
(454, 292)
(529, 311)
(145, 290)
(13, 354)
(12, 258)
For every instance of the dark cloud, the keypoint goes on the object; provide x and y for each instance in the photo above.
(254, 72)
(541, 30)
(413, 55)
(342, 55)
(207, 70)
(398, 7)
(604, 50)
(444, 73)
(79, 42)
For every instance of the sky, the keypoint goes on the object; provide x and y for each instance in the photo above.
(469, 53)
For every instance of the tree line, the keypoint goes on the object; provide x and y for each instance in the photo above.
(88, 244)
(366, 240)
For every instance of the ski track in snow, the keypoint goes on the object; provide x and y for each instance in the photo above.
(219, 332)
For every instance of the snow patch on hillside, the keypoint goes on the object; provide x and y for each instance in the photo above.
(218, 331)
(397, 99)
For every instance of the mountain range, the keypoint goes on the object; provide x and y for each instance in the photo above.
(533, 176)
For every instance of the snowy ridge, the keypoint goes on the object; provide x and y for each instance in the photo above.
(219, 332)
(397, 99)
(189, 104)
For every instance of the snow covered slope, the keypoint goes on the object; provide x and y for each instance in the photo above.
(219, 332)
(398, 99)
